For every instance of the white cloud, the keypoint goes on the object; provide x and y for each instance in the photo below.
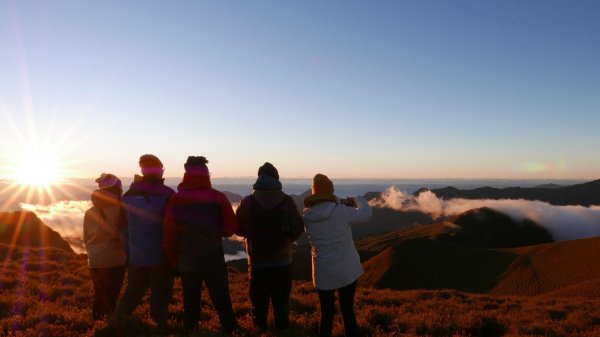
(563, 222)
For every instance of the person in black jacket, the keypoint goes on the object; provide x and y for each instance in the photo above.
(270, 221)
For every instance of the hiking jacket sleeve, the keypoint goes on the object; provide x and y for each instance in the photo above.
(296, 225)
(243, 217)
(230, 222)
(362, 213)
(170, 234)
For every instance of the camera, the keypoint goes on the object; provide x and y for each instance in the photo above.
(348, 202)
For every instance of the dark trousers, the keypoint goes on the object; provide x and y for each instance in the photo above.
(346, 297)
(160, 281)
(218, 288)
(107, 286)
(271, 285)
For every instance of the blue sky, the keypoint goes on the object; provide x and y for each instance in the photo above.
(385, 89)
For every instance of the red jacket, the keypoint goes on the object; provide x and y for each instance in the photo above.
(196, 219)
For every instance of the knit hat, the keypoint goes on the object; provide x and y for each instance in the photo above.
(151, 165)
(322, 185)
(322, 190)
(197, 165)
(107, 180)
(269, 170)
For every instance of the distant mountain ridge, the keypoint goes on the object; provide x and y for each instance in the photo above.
(585, 194)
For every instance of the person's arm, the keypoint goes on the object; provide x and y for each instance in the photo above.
(296, 225)
(88, 231)
(230, 223)
(170, 234)
(362, 213)
(122, 222)
(243, 217)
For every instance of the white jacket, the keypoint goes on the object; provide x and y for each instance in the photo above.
(334, 258)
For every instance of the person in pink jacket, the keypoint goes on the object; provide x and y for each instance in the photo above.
(196, 220)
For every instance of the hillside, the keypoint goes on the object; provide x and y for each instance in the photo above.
(47, 292)
(585, 194)
(459, 255)
(456, 254)
(562, 268)
(26, 229)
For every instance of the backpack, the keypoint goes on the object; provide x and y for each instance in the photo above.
(269, 228)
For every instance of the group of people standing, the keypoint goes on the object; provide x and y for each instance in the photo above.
(154, 233)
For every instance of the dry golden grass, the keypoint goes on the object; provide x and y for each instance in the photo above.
(47, 292)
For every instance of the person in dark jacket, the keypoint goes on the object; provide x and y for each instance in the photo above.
(270, 222)
(145, 203)
(197, 219)
(102, 225)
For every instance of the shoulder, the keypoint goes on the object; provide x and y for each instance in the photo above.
(144, 188)
(218, 195)
(247, 200)
(91, 214)
(90, 211)
(168, 190)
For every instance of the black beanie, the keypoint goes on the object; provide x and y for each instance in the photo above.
(269, 170)
(196, 162)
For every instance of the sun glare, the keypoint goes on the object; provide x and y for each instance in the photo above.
(37, 168)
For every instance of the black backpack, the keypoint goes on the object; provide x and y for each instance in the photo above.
(269, 228)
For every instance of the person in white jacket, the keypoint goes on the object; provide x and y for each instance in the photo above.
(335, 261)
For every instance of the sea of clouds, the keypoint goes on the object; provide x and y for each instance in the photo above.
(563, 222)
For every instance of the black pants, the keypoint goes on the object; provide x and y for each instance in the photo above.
(271, 285)
(107, 286)
(346, 297)
(160, 281)
(218, 288)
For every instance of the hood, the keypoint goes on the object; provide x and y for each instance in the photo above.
(150, 188)
(267, 183)
(193, 182)
(268, 199)
(319, 212)
(103, 199)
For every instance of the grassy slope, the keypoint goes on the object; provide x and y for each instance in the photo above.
(46, 292)
(571, 266)
(431, 264)
(417, 258)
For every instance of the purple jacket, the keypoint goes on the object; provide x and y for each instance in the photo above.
(145, 203)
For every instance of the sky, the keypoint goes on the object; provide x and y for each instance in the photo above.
(351, 89)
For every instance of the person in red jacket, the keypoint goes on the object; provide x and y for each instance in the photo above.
(197, 218)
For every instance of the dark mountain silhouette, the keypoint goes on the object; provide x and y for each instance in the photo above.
(423, 263)
(549, 186)
(26, 229)
(585, 194)
(460, 253)
(487, 228)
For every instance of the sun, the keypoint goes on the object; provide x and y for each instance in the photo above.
(38, 168)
